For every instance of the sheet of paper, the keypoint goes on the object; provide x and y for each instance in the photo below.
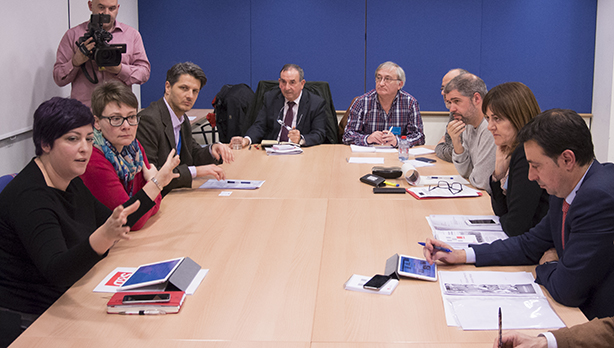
(517, 313)
(367, 160)
(418, 164)
(386, 150)
(370, 149)
(358, 148)
(420, 151)
(231, 184)
(522, 301)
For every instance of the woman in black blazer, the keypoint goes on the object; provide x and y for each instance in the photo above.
(519, 202)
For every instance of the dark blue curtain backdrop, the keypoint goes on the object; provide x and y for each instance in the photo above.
(549, 44)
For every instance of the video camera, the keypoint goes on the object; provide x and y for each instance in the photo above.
(103, 53)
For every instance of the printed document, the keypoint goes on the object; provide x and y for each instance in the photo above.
(472, 301)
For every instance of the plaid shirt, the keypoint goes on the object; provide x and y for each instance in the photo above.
(367, 116)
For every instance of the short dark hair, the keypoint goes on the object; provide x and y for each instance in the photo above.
(557, 130)
(301, 73)
(467, 84)
(174, 73)
(112, 91)
(56, 117)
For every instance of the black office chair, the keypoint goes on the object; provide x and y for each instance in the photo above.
(319, 88)
(231, 105)
(209, 123)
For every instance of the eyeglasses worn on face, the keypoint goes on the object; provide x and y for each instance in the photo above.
(117, 121)
(455, 187)
(386, 79)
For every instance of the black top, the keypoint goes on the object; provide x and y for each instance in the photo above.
(45, 233)
(525, 204)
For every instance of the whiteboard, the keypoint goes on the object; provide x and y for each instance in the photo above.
(30, 36)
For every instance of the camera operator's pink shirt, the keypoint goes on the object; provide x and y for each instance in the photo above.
(135, 66)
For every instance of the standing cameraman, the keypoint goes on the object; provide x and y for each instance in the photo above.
(71, 62)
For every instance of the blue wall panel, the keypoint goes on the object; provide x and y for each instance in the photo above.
(212, 34)
(426, 38)
(326, 38)
(547, 45)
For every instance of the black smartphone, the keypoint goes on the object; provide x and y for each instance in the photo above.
(147, 298)
(376, 282)
(424, 159)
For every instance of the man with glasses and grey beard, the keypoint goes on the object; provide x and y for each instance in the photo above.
(373, 114)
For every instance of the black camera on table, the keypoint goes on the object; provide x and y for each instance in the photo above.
(103, 53)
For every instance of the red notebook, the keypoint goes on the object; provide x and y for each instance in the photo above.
(146, 303)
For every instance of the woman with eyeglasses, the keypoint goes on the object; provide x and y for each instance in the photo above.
(118, 169)
(519, 202)
(53, 230)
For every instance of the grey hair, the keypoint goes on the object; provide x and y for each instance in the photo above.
(466, 84)
(301, 74)
(389, 64)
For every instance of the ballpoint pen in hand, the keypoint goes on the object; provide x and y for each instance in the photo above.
(437, 247)
(284, 125)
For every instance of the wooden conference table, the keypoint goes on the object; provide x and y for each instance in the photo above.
(278, 258)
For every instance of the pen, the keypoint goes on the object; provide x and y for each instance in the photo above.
(500, 329)
(143, 312)
(442, 177)
(437, 247)
(390, 130)
(391, 184)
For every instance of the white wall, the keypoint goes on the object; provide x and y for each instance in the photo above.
(17, 151)
(603, 84)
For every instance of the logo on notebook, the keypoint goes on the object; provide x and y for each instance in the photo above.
(118, 278)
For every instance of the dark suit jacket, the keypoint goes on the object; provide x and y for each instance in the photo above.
(155, 133)
(584, 275)
(598, 333)
(311, 121)
(525, 203)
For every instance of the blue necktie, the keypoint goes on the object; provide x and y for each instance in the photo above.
(179, 144)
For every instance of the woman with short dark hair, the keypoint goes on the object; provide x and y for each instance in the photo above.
(118, 168)
(53, 230)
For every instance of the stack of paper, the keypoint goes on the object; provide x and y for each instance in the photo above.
(284, 150)
(232, 184)
(461, 230)
(472, 301)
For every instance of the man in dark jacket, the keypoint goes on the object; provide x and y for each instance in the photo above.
(164, 127)
(291, 114)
